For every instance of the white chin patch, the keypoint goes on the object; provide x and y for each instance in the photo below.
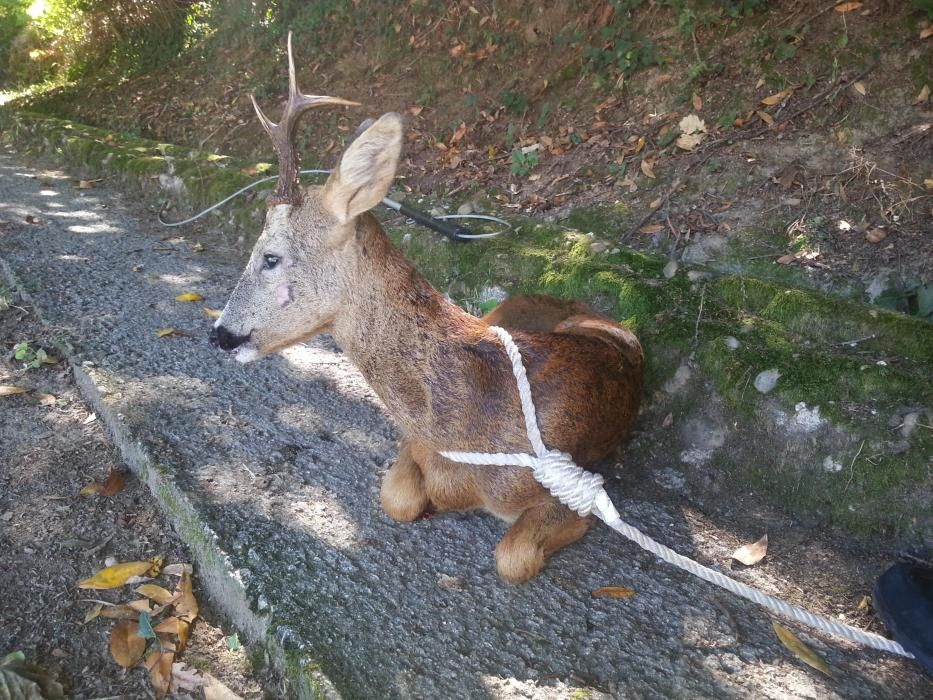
(246, 353)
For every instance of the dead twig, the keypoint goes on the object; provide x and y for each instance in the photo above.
(852, 466)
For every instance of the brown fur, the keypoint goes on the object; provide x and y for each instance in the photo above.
(442, 374)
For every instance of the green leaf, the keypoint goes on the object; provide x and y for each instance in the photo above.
(233, 642)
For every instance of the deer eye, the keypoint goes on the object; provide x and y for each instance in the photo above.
(270, 261)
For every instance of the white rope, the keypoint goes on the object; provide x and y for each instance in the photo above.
(583, 492)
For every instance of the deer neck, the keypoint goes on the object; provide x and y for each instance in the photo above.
(395, 326)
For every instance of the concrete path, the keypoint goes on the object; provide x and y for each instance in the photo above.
(271, 473)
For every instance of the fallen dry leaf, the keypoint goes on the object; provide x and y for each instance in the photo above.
(751, 554)
(647, 168)
(91, 489)
(923, 96)
(177, 569)
(126, 646)
(765, 117)
(189, 296)
(613, 592)
(114, 483)
(118, 574)
(651, 228)
(697, 102)
(157, 593)
(178, 627)
(875, 235)
(799, 649)
(160, 671)
(692, 132)
(93, 612)
(46, 399)
(142, 605)
(211, 313)
(7, 390)
(926, 32)
(787, 259)
(187, 605)
(859, 87)
(777, 97)
(85, 184)
(119, 612)
(847, 6)
(162, 332)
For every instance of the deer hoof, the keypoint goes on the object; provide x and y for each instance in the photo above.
(403, 496)
(518, 560)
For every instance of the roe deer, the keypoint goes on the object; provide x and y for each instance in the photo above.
(324, 264)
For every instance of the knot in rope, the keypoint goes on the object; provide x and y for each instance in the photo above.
(574, 487)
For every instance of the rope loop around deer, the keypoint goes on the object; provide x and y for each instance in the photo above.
(583, 492)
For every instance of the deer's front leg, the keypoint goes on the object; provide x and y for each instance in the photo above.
(403, 492)
(539, 532)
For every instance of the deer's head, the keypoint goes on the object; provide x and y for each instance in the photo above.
(301, 266)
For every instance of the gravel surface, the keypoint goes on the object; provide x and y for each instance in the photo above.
(271, 472)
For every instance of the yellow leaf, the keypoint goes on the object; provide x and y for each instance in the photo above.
(847, 6)
(114, 483)
(751, 554)
(189, 296)
(211, 313)
(928, 183)
(93, 612)
(777, 97)
(648, 169)
(126, 646)
(613, 592)
(162, 332)
(116, 575)
(761, 81)
(7, 390)
(926, 32)
(859, 87)
(187, 606)
(765, 117)
(799, 649)
(922, 96)
(157, 593)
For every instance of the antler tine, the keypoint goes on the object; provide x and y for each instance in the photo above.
(283, 134)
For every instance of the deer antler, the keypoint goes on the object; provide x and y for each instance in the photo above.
(283, 134)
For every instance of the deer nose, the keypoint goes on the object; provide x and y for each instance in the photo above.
(225, 340)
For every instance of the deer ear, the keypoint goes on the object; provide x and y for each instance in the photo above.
(366, 171)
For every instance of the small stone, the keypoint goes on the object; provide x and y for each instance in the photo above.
(437, 211)
(831, 465)
(599, 247)
(7, 517)
(767, 380)
(614, 251)
(466, 208)
(909, 424)
(670, 269)
(697, 275)
(732, 343)
(406, 239)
